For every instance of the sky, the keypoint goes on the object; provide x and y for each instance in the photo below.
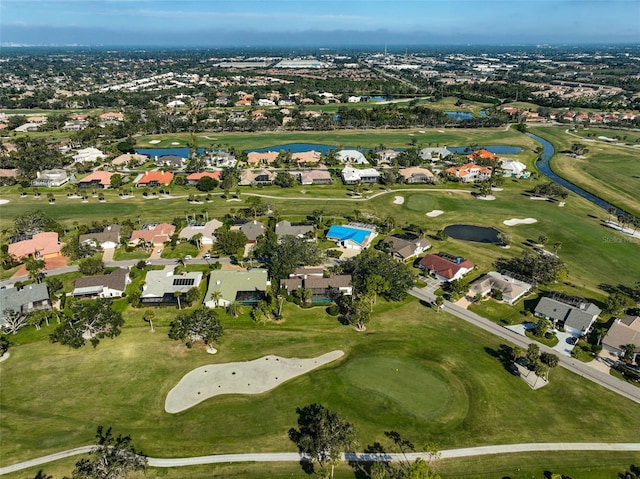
(317, 22)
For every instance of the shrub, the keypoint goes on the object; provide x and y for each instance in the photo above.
(333, 310)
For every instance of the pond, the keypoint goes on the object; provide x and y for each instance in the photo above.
(459, 115)
(477, 234)
(496, 149)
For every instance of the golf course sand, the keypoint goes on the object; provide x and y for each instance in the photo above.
(398, 200)
(154, 142)
(434, 213)
(247, 377)
(518, 221)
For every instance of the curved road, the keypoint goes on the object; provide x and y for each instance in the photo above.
(613, 384)
(359, 457)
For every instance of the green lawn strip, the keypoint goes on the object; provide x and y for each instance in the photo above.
(501, 313)
(123, 382)
(120, 254)
(181, 249)
(578, 464)
(550, 342)
(609, 171)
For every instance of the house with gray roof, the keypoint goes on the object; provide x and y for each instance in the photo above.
(324, 288)
(434, 154)
(574, 314)
(110, 285)
(622, 332)
(24, 300)
(160, 287)
(252, 229)
(246, 287)
(512, 289)
(285, 228)
(108, 238)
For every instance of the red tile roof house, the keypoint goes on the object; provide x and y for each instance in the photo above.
(470, 172)
(41, 246)
(446, 267)
(97, 179)
(483, 154)
(156, 234)
(112, 116)
(154, 178)
(193, 178)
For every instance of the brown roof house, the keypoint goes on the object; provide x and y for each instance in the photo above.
(108, 238)
(324, 288)
(110, 285)
(403, 249)
(623, 331)
(512, 289)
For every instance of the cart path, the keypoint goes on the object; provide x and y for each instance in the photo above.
(359, 457)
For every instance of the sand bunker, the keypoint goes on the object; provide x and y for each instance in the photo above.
(434, 213)
(4, 202)
(154, 142)
(248, 377)
(398, 200)
(518, 221)
(486, 198)
(175, 142)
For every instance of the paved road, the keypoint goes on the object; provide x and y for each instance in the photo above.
(613, 384)
(360, 457)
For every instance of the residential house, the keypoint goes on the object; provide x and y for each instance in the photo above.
(285, 228)
(43, 245)
(112, 285)
(88, 155)
(416, 175)
(112, 116)
(51, 178)
(574, 314)
(324, 288)
(152, 179)
(156, 234)
(404, 248)
(97, 179)
(109, 238)
(207, 230)
(470, 172)
(221, 159)
(24, 300)
(306, 157)
(386, 157)
(261, 157)
(513, 168)
(193, 178)
(352, 236)
(512, 289)
(161, 287)
(256, 177)
(245, 287)
(170, 161)
(367, 175)
(622, 332)
(129, 159)
(446, 267)
(351, 156)
(252, 230)
(175, 104)
(483, 155)
(315, 177)
(434, 154)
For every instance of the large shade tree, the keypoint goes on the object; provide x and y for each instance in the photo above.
(88, 320)
(201, 324)
(323, 436)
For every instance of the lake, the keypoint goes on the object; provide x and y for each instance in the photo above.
(477, 234)
(459, 115)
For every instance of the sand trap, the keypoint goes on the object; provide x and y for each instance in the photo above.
(398, 200)
(561, 204)
(248, 377)
(518, 221)
(486, 198)
(434, 213)
(541, 198)
(422, 131)
(4, 202)
(175, 142)
(440, 131)
(497, 189)
(5, 356)
(154, 142)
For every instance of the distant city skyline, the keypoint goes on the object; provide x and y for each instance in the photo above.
(317, 22)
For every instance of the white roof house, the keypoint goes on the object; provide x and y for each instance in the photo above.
(90, 154)
(432, 154)
(352, 156)
(175, 104)
(206, 229)
(513, 168)
(366, 175)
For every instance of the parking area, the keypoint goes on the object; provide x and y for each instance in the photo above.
(432, 286)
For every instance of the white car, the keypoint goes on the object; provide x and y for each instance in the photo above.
(159, 251)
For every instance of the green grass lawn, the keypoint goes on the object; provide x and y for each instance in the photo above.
(181, 249)
(120, 254)
(611, 172)
(123, 382)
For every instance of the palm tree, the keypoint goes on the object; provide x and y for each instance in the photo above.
(439, 302)
(233, 309)
(177, 295)
(217, 296)
(149, 316)
(556, 246)
(611, 211)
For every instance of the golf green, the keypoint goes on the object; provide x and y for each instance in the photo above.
(410, 386)
(420, 202)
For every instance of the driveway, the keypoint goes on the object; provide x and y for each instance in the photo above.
(563, 347)
(107, 254)
(432, 286)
